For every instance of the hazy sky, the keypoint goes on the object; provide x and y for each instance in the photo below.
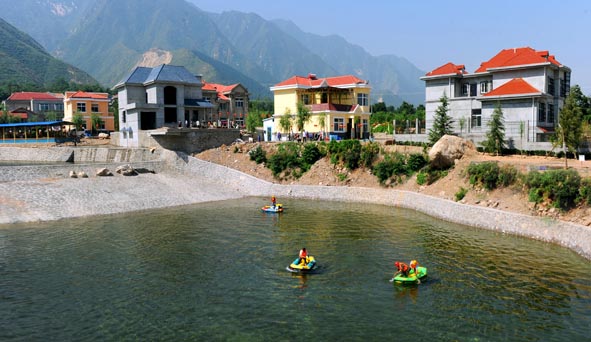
(430, 33)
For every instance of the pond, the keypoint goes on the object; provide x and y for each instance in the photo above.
(217, 271)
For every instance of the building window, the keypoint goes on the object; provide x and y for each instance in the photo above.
(305, 99)
(81, 107)
(239, 102)
(476, 118)
(465, 89)
(44, 107)
(338, 125)
(542, 112)
(124, 119)
(362, 99)
(59, 107)
(485, 87)
(550, 113)
(207, 99)
(551, 86)
(94, 107)
(365, 125)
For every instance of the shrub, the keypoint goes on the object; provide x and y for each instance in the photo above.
(560, 187)
(258, 155)
(310, 155)
(346, 151)
(584, 196)
(392, 165)
(484, 174)
(369, 152)
(461, 194)
(422, 178)
(416, 161)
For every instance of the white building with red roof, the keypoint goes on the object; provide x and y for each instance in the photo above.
(30, 103)
(529, 85)
(339, 106)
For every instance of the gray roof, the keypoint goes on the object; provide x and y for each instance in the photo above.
(162, 73)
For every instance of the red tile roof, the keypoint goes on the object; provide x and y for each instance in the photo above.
(448, 69)
(86, 95)
(31, 95)
(218, 87)
(517, 86)
(313, 81)
(517, 57)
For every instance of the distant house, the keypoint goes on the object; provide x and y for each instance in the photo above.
(163, 96)
(230, 103)
(529, 85)
(36, 106)
(88, 104)
(339, 106)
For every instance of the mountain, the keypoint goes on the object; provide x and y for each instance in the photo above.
(48, 21)
(108, 38)
(392, 78)
(276, 52)
(115, 35)
(24, 61)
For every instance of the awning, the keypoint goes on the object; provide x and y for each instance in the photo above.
(197, 103)
(40, 123)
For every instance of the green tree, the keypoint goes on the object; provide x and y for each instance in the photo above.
(7, 118)
(253, 120)
(569, 132)
(442, 124)
(322, 122)
(285, 121)
(495, 137)
(302, 116)
(96, 121)
(78, 120)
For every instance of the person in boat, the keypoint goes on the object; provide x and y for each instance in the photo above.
(401, 268)
(273, 201)
(303, 256)
(413, 267)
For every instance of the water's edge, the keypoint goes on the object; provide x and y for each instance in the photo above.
(183, 180)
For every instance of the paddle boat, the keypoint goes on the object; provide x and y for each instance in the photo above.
(302, 267)
(278, 208)
(412, 277)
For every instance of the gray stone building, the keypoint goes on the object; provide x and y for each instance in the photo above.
(153, 98)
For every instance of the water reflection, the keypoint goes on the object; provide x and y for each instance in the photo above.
(217, 272)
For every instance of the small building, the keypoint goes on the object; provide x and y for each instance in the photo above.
(529, 85)
(37, 105)
(230, 104)
(88, 104)
(339, 107)
(163, 96)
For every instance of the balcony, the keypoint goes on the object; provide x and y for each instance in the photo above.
(331, 107)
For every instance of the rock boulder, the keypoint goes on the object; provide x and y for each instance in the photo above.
(449, 149)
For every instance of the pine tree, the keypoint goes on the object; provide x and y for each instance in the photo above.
(442, 124)
(569, 132)
(495, 137)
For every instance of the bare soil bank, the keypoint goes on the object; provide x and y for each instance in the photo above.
(325, 174)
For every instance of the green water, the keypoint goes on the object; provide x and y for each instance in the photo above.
(216, 272)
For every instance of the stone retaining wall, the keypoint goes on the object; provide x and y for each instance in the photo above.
(187, 180)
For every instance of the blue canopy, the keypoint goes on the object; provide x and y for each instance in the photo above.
(35, 124)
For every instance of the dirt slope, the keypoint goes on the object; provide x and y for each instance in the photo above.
(325, 174)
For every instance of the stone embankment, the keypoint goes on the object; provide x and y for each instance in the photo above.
(45, 192)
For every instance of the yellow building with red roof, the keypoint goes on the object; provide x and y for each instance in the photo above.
(88, 104)
(339, 107)
(529, 85)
